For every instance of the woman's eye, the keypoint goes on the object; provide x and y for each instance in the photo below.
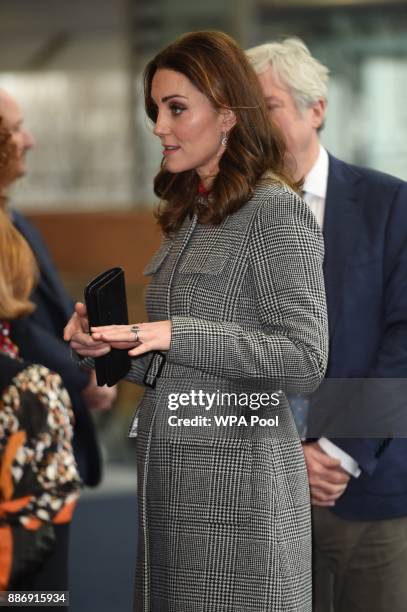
(176, 109)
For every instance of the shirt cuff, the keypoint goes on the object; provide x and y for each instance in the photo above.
(86, 363)
(347, 462)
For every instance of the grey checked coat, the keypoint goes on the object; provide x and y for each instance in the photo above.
(224, 511)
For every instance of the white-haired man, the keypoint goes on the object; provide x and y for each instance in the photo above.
(358, 485)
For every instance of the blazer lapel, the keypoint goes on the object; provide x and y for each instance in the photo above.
(342, 225)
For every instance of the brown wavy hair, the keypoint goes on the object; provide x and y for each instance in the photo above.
(18, 268)
(218, 67)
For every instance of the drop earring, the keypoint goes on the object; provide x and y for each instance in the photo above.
(224, 140)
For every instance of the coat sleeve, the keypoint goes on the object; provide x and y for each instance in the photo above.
(138, 366)
(289, 350)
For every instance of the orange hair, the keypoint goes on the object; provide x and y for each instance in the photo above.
(18, 271)
(18, 268)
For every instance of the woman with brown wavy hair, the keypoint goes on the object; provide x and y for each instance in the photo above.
(39, 482)
(237, 318)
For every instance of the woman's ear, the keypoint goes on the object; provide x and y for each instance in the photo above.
(228, 119)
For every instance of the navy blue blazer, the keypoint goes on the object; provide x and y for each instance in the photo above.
(40, 340)
(365, 231)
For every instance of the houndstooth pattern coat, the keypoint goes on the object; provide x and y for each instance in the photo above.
(224, 510)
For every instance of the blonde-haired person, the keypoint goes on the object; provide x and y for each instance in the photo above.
(237, 307)
(39, 482)
(358, 484)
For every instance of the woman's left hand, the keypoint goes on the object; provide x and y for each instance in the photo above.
(139, 338)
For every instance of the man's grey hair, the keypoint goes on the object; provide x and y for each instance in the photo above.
(294, 65)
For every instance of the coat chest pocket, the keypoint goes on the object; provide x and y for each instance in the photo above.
(194, 264)
(211, 481)
(157, 260)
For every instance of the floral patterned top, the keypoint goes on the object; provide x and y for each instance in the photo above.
(39, 480)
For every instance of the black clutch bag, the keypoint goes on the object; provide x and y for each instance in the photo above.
(106, 303)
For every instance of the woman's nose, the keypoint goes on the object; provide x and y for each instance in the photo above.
(161, 125)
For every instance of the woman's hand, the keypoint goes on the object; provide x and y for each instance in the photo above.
(76, 333)
(139, 338)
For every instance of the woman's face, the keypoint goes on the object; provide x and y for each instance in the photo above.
(189, 127)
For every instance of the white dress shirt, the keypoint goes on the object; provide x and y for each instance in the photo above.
(314, 193)
(315, 186)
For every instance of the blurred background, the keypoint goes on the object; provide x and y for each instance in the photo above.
(75, 68)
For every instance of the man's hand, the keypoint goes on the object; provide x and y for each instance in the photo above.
(327, 479)
(98, 398)
(76, 332)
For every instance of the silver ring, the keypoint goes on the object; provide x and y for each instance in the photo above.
(135, 329)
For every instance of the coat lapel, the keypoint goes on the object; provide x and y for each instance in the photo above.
(342, 226)
(180, 242)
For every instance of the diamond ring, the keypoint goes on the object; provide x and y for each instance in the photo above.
(135, 329)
